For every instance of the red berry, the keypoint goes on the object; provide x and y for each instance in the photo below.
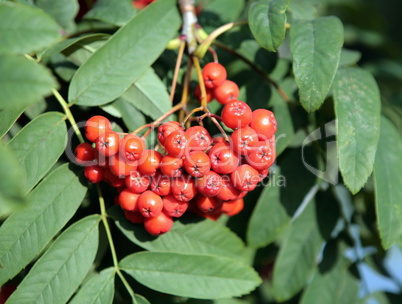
(149, 204)
(174, 207)
(208, 91)
(197, 163)
(223, 160)
(214, 74)
(264, 123)
(176, 144)
(85, 154)
(198, 138)
(210, 184)
(183, 188)
(131, 147)
(171, 166)
(159, 224)
(128, 200)
(160, 184)
(108, 143)
(243, 140)
(226, 92)
(120, 167)
(149, 162)
(261, 156)
(136, 182)
(245, 178)
(134, 216)
(112, 179)
(166, 129)
(232, 208)
(228, 192)
(94, 173)
(207, 204)
(236, 114)
(96, 126)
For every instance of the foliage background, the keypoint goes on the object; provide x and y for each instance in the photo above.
(305, 241)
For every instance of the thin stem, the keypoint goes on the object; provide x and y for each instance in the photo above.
(177, 69)
(255, 68)
(201, 83)
(186, 88)
(218, 125)
(203, 47)
(189, 17)
(191, 114)
(111, 244)
(70, 116)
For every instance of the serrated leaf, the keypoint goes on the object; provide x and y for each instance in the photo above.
(23, 82)
(206, 237)
(148, 94)
(267, 21)
(116, 12)
(25, 29)
(98, 290)
(357, 109)
(269, 216)
(316, 48)
(297, 256)
(39, 145)
(11, 190)
(63, 11)
(388, 181)
(25, 233)
(191, 275)
(126, 56)
(57, 274)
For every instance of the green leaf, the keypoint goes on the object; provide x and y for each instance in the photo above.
(98, 290)
(205, 237)
(191, 275)
(349, 57)
(332, 285)
(63, 11)
(148, 94)
(388, 181)
(9, 117)
(39, 145)
(113, 12)
(357, 109)
(297, 256)
(25, 29)
(285, 133)
(11, 190)
(23, 82)
(316, 48)
(269, 216)
(126, 55)
(222, 10)
(132, 118)
(72, 44)
(267, 21)
(58, 273)
(25, 233)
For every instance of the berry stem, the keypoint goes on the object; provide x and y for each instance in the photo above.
(186, 87)
(177, 69)
(218, 125)
(191, 114)
(201, 83)
(189, 23)
(105, 222)
(203, 47)
(69, 115)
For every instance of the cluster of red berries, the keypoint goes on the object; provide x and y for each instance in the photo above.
(206, 175)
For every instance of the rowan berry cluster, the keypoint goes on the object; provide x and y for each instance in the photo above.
(206, 175)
